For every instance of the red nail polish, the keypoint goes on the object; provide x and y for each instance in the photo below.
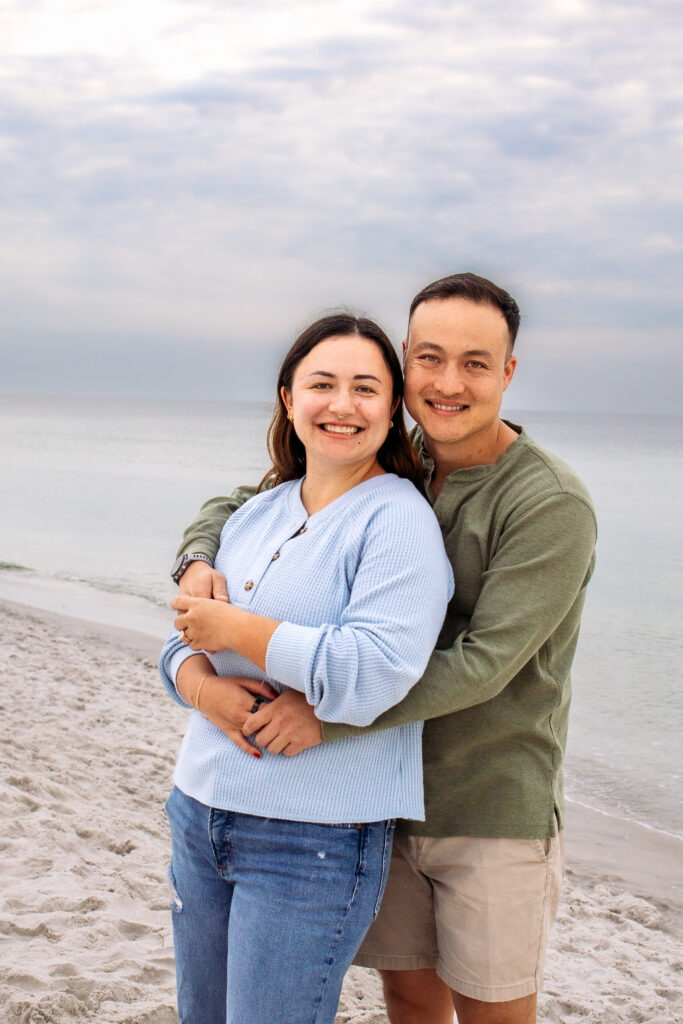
(256, 753)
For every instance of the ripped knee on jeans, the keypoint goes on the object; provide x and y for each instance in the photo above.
(176, 903)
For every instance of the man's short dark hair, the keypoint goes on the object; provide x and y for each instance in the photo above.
(476, 289)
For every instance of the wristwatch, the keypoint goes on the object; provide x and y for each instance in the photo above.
(181, 563)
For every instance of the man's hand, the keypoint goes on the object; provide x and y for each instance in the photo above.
(200, 580)
(286, 726)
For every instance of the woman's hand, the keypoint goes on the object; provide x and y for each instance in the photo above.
(205, 624)
(285, 726)
(225, 700)
(215, 625)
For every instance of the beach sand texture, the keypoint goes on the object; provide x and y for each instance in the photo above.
(88, 747)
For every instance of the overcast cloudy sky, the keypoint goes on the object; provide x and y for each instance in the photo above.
(184, 184)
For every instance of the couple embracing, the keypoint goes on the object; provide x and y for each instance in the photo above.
(377, 582)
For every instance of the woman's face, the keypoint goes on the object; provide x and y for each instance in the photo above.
(341, 400)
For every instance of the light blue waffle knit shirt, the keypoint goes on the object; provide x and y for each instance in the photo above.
(360, 589)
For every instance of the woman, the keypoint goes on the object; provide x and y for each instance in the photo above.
(278, 864)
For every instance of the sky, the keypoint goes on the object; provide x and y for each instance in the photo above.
(184, 185)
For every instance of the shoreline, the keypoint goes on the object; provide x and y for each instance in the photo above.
(86, 768)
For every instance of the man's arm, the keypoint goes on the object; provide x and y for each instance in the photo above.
(203, 535)
(543, 562)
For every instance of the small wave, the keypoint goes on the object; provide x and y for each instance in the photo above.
(13, 567)
(624, 817)
(114, 587)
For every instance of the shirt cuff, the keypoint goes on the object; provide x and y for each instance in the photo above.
(174, 664)
(290, 654)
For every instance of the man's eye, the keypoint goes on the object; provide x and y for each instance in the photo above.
(476, 365)
(427, 358)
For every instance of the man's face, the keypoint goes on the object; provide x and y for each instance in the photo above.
(456, 370)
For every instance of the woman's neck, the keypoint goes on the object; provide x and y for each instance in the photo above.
(322, 485)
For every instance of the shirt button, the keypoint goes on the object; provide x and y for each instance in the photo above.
(303, 529)
(276, 555)
(249, 584)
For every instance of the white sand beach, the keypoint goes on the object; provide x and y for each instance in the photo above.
(87, 751)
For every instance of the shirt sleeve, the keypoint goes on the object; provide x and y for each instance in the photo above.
(203, 535)
(173, 654)
(353, 671)
(544, 559)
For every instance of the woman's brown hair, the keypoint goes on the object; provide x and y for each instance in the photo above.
(288, 454)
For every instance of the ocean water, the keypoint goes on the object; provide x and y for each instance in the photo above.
(98, 491)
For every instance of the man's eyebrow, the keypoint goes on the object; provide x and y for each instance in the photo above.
(479, 352)
(428, 344)
(432, 346)
(357, 376)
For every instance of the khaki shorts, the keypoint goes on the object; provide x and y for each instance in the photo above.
(477, 910)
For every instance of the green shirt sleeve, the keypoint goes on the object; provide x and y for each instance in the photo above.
(203, 535)
(532, 595)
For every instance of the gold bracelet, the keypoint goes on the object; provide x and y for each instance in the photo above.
(199, 690)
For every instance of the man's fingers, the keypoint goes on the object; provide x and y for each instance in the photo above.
(292, 749)
(277, 745)
(257, 721)
(219, 586)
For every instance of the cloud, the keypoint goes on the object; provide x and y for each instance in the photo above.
(206, 175)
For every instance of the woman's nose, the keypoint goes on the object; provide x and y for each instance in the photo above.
(341, 403)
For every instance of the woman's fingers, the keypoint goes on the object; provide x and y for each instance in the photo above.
(236, 736)
(259, 687)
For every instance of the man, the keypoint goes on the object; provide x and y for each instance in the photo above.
(473, 890)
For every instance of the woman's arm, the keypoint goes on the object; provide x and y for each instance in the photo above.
(225, 700)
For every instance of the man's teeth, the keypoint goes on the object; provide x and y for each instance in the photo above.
(448, 408)
(332, 428)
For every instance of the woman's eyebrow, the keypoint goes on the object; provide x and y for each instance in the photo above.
(356, 376)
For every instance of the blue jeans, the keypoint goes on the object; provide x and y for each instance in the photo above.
(268, 914)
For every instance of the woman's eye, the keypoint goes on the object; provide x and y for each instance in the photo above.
(365, 390)
(321, 385)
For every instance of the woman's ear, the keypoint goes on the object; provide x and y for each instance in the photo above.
(286, 397)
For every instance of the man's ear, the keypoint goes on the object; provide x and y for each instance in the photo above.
(509, 371)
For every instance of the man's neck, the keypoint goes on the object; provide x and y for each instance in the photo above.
(481, 450)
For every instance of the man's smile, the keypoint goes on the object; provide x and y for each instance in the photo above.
(446, 406)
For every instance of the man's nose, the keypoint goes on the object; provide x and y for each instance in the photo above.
(449, 380)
